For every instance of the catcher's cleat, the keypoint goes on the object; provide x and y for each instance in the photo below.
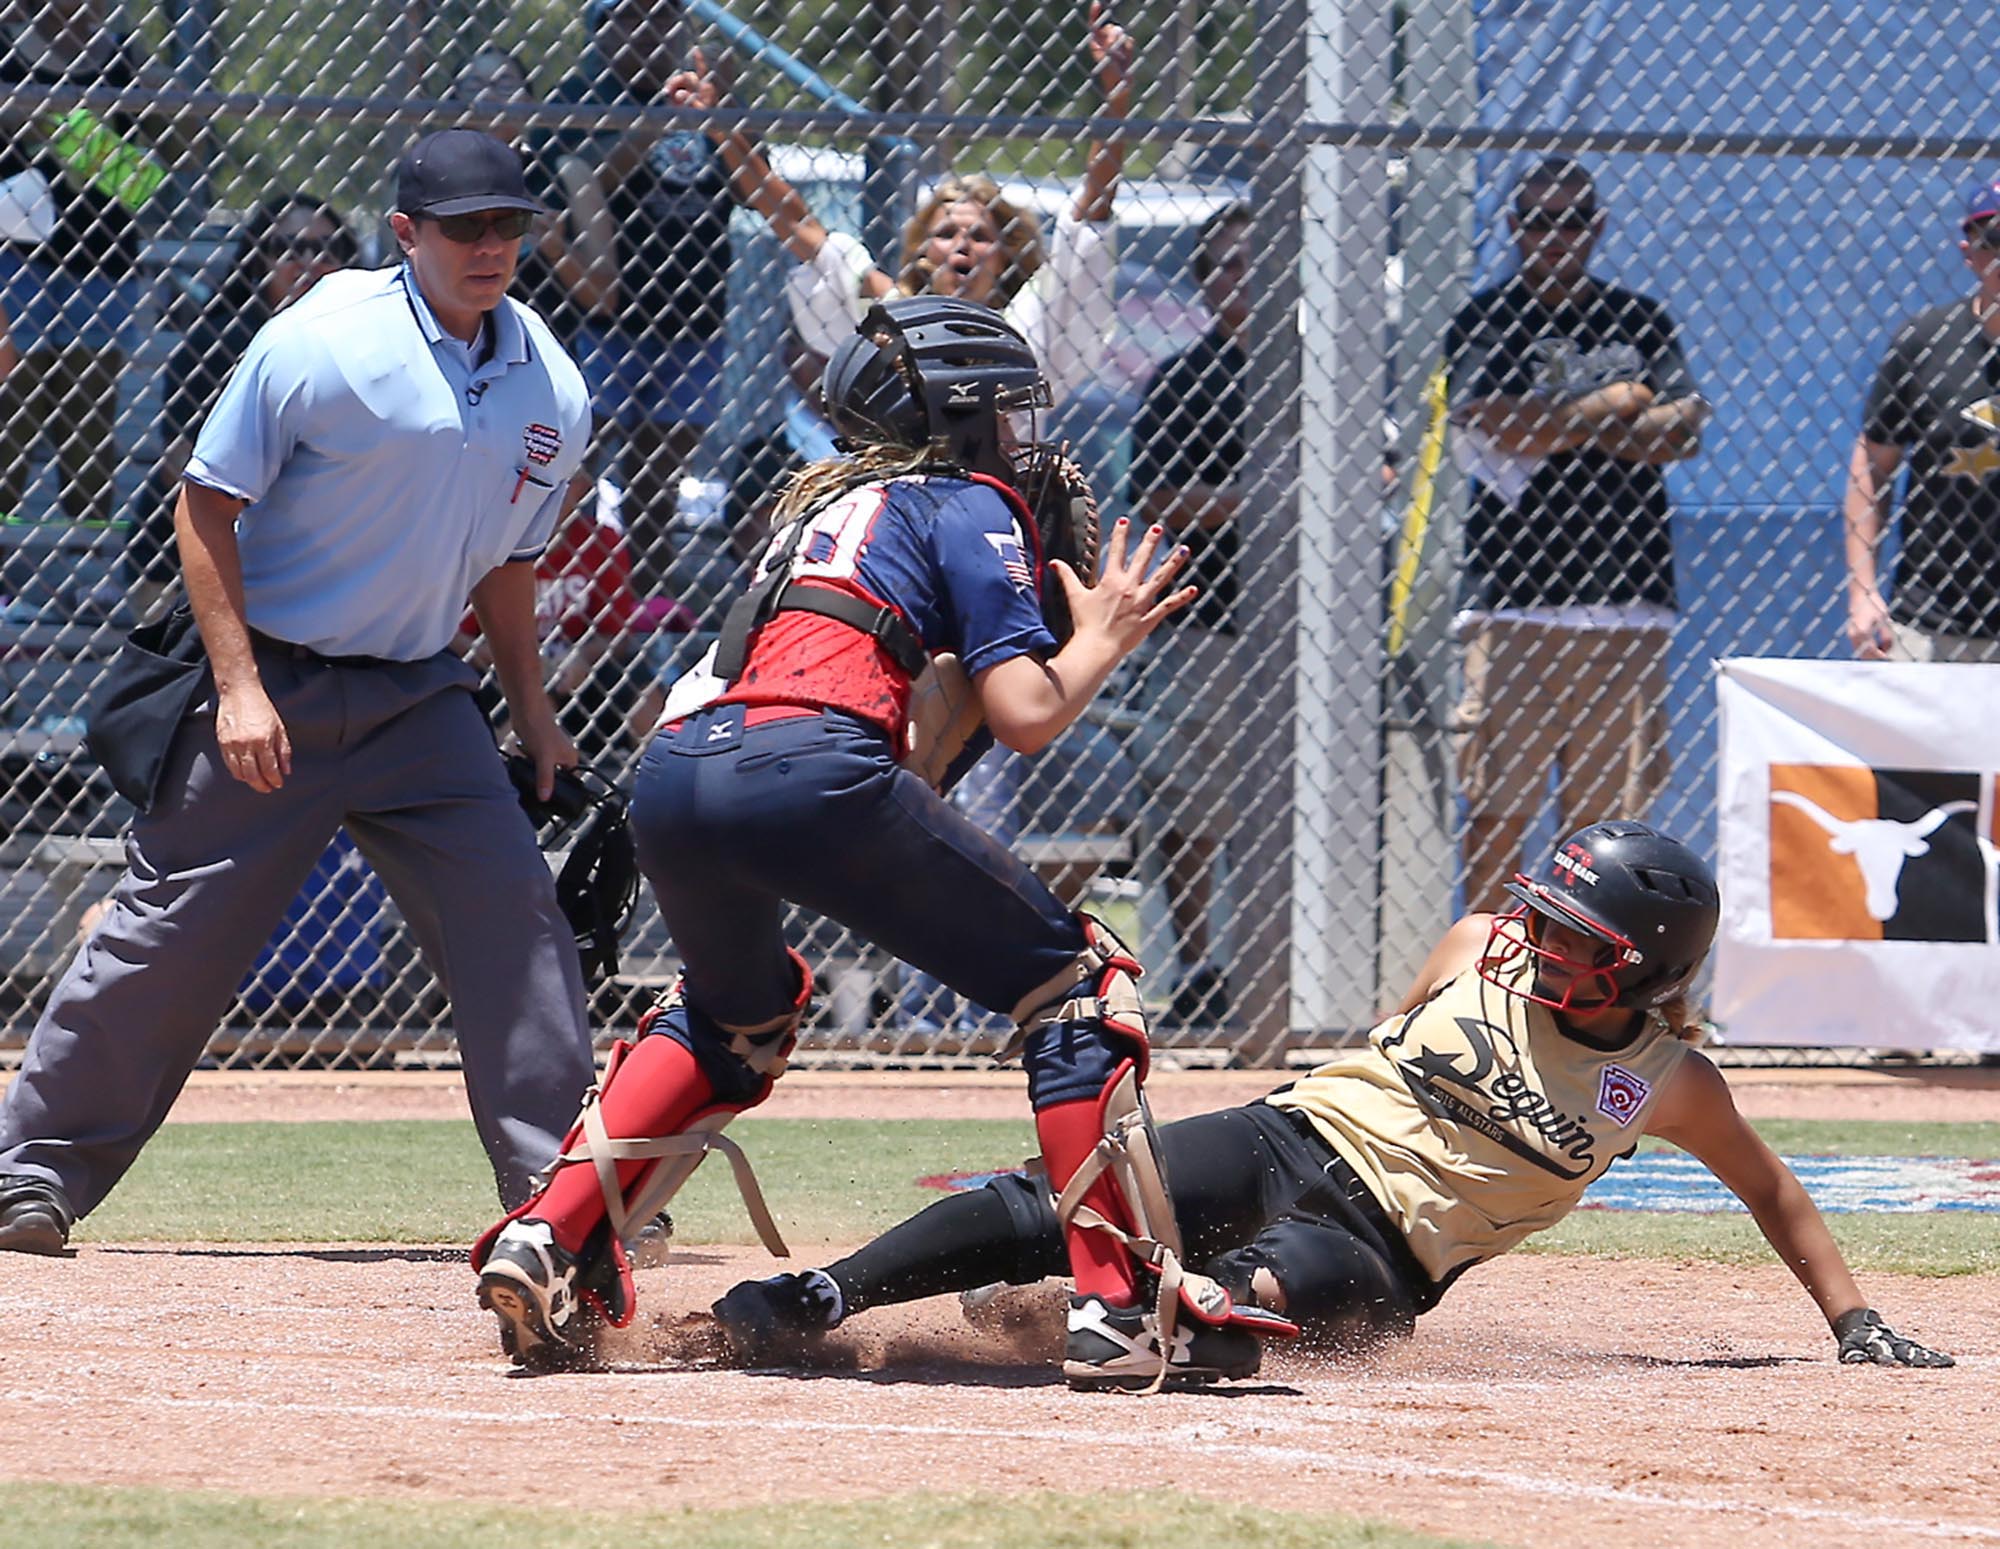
(766, 1319)
(35, 1216)
(529, 1282)
(1119, 1347)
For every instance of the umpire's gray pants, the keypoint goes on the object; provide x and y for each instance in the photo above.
(400, 754)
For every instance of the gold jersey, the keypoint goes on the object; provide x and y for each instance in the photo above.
(1476, 1121)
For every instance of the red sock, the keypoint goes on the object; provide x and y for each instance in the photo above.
(657, 1090)
(1068, 1133)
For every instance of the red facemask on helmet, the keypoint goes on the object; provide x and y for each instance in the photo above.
(1560, 981)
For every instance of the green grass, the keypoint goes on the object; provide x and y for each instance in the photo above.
(1873, 1137)
(1933, 1243)
(42, 1516)
(841, 1180)
(410, 1180)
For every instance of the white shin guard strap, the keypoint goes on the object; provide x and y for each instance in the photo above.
(1129, 1157)
(677, 1157)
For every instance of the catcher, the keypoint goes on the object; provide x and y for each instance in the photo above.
(1534, 1050)
(786, 772)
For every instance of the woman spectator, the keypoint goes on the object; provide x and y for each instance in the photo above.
(969, 240)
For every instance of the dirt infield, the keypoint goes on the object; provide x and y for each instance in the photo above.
(1554, 1403)
(1548, 1403)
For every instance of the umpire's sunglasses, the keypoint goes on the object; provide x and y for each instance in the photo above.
(508, 225)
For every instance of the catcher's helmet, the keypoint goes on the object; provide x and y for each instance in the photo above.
(929, 372)
(598, 886)
(1648, 898)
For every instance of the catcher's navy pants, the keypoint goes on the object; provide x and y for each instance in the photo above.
(399, 754)
(733, 822)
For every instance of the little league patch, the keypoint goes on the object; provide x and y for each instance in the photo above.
(1669, 1181)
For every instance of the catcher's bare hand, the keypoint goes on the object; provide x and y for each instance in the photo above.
(1866, 1340)
(256, 748)
(1131, 596)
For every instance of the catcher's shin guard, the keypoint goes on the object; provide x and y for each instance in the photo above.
(657, 1111)
(1102, 1153)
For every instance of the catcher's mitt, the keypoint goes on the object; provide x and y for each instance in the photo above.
(1065, 511)
(947, 727)
(598, 886)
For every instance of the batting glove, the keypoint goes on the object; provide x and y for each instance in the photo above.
(1865, 1338)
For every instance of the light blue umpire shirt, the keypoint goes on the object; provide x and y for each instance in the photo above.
(386, 472)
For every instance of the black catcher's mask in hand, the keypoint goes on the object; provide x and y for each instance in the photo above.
(598, 886)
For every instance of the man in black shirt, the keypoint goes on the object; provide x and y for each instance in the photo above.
(1567, 394)
(1936, 397)
(1187, 459)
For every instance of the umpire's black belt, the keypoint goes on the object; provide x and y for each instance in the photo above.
(305, 653)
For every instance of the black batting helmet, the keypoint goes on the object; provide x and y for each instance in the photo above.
(930, 372)
(1647, 897)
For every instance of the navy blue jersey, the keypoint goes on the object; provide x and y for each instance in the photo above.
(948, 554)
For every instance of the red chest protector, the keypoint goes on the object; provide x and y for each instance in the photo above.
(827, 644)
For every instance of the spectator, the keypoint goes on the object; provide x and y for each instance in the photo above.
(971, 241)
(1188, 448)
(1568, 394)
(1936, 396)
(80, 188)
(573, 265)
(651, 344)
(328, 548)
(285, 246)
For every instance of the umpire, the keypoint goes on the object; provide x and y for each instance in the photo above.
(395, 442)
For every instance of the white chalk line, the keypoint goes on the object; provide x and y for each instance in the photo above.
(1344, 1461)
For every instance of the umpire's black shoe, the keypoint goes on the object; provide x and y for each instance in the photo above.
(35, 1215)
(764, 1320)
(1119, 1347)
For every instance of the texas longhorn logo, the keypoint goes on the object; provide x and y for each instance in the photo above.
(1862, 854)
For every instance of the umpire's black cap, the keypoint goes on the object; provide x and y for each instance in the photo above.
(459, 172)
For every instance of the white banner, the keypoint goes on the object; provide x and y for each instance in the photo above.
(1856, 839)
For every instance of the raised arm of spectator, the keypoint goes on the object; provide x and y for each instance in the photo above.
(1871, 476)
(1111, 61)
(757, 183)
(1066, 311)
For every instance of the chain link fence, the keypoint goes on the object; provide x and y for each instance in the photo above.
(1501, 363)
